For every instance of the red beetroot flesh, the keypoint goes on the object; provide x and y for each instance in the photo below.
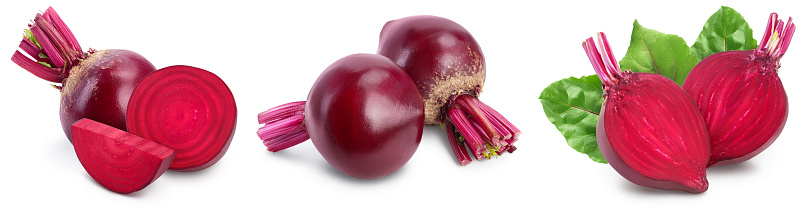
(119, 161)
(94, 84)
(741, 96)
(448, 67)
(364, 115)
(649, 130)
(187, 109)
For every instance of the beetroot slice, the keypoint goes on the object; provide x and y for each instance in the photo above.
(187, 109)
(119, 161)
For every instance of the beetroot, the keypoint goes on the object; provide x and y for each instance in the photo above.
(364, 115)
(94, 84)
(187, 109)
(741, 96)
(448, 67)
(649, 130)
(119, 161)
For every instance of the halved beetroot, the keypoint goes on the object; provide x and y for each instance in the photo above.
(119, 161)
(187, 109)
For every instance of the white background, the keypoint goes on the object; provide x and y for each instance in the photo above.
(271, 53)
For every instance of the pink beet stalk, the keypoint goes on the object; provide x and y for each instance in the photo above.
(606, 66)
(50, 47)
(777, 37)
(283, 126)
(458, 147)
(485, 132)
(94, 84)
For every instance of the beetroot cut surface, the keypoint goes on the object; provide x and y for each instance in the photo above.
(448, 67)
(119, 161)
(741, 96)
(649, 130)
(93, 84)
(187, 109)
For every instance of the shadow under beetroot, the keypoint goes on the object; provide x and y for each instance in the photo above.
(734, 169)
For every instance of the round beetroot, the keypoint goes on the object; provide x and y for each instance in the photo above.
(99, 87)
(364, 116)
(741, 96)
(448, 67)
(94, 84)
(442, 58)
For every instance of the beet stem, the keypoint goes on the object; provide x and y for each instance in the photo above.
(458, 148)
(59, 42)
(63, 29)
(51, 45)
(499, 126)
(465, 103)
(32, 49)
(511, 149)
(485, 131)
(467, 131)
(281, 111)
(275, 129)
(494, 142)
(284, 126)
(41, 71)
(604, 62)
(777, 37)
(287, 140)
(48, 46)
(498, 117)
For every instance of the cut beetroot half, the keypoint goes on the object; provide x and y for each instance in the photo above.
(187, 109)
(119, 161)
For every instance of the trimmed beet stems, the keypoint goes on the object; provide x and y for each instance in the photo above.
(93, 84)
(458, 148)
(283, 126)
(447, 65)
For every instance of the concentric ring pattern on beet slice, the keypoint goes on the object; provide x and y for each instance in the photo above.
(187, 109)
(119, 161)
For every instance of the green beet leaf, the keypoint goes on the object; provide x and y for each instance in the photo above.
(725, 30)
(573, 106)
(651, 51)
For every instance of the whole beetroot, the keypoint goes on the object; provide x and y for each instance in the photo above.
(94, 84)
(364, 115)
(448, 67)
(741, 96)
(649, 130)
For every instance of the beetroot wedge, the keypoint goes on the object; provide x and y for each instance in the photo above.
(119, 161)
(187, 109)
(649, 130)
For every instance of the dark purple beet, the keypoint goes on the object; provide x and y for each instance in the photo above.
(364, 115)
(442, 58)
(448, 67)
(99, 88)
